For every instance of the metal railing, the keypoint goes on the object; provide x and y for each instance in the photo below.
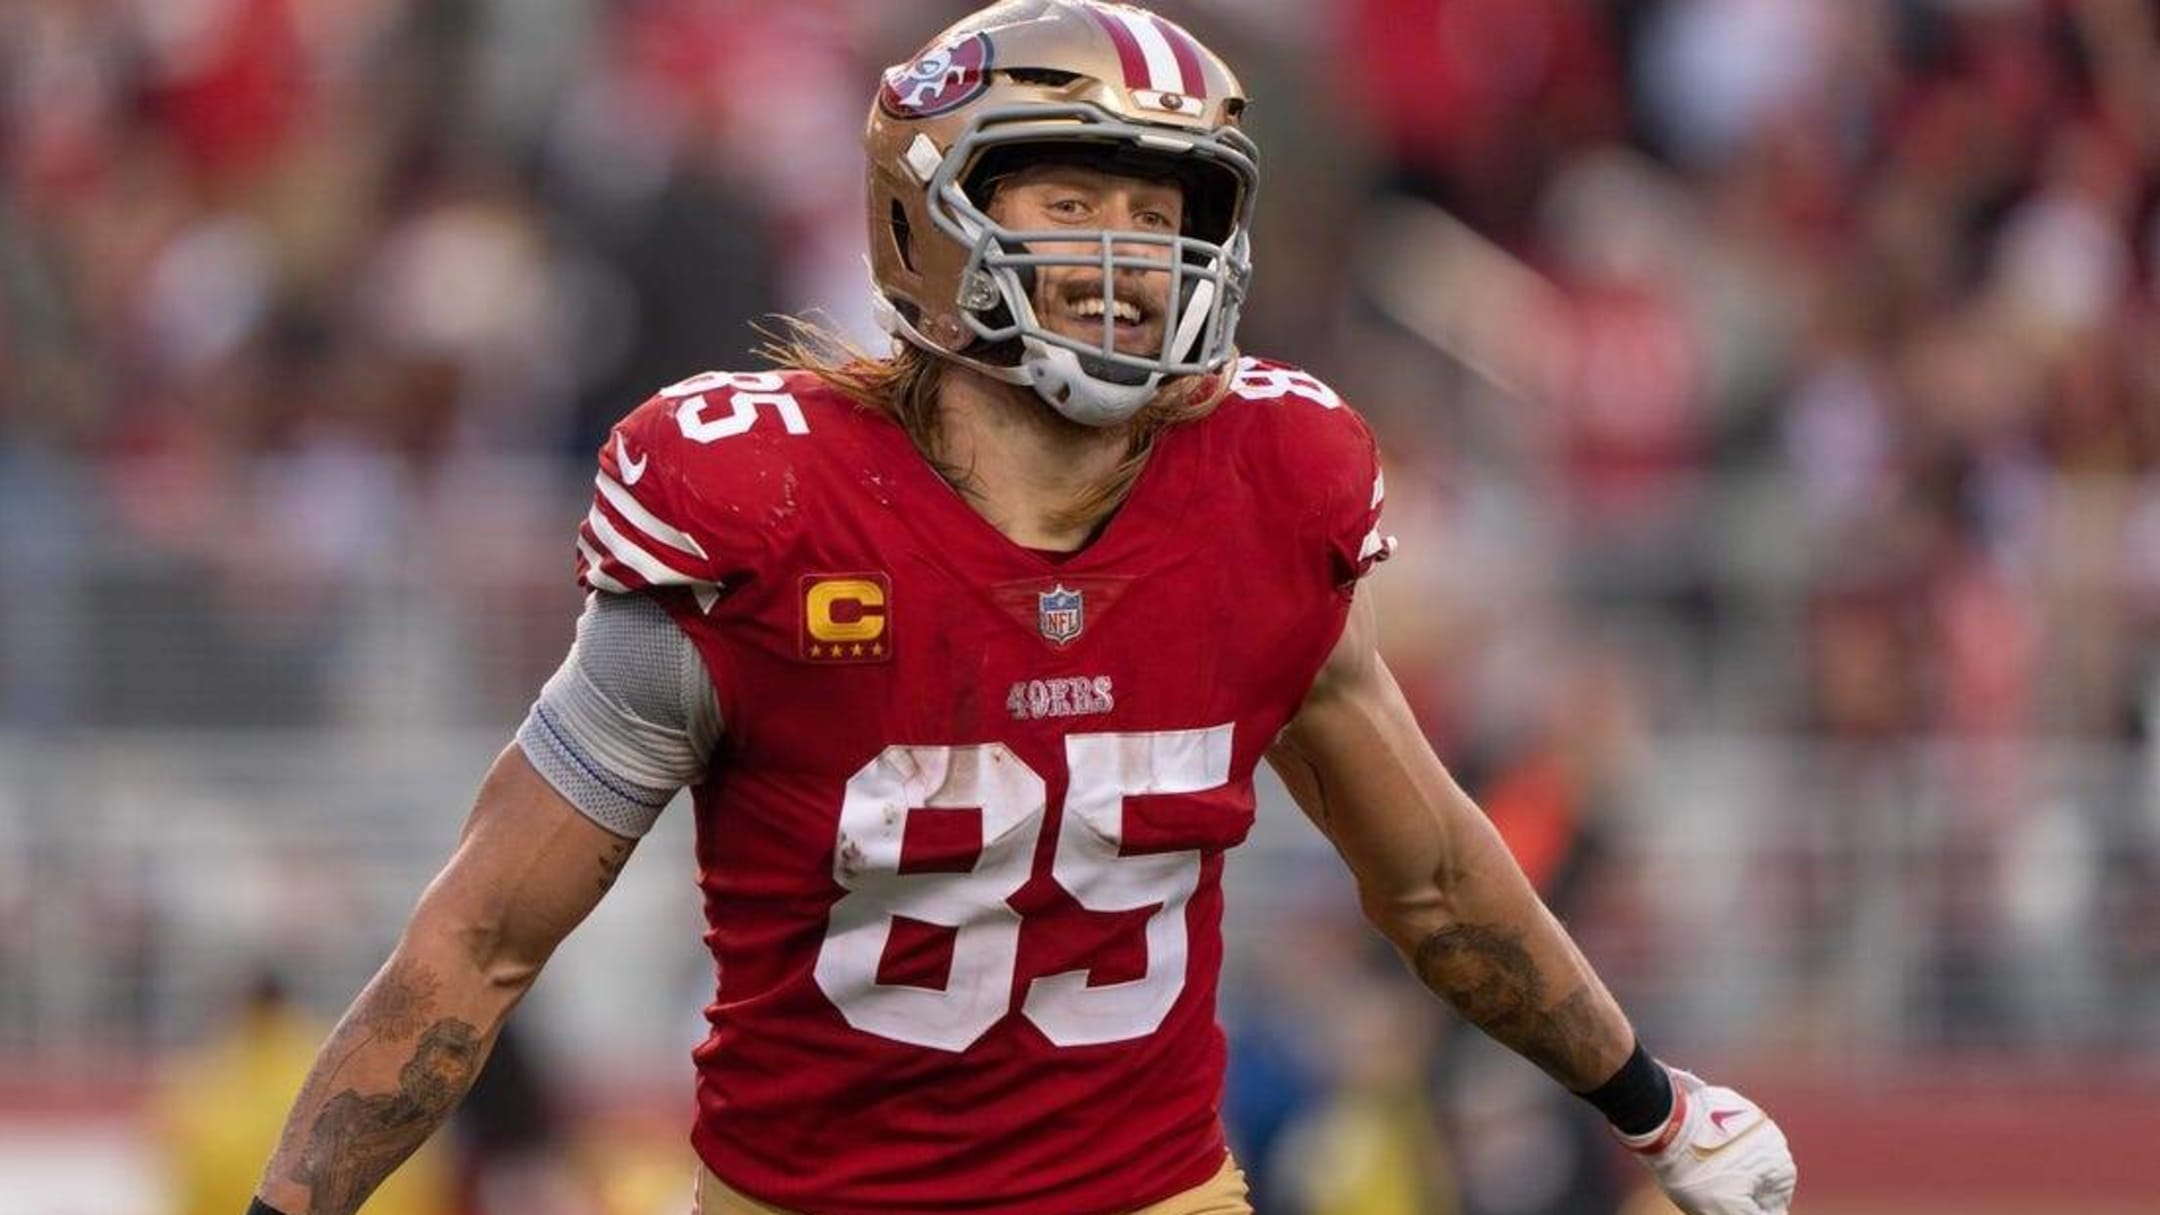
(1753, 898)
(226, 749)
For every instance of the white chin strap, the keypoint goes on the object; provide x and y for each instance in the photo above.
(1059, 375)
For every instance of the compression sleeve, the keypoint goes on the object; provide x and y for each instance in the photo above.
(628, 719)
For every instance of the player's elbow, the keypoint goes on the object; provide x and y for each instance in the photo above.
(500, 959)
(1420, 891)
(1404, 913)
(480, 941)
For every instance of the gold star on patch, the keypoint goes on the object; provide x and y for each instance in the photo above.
(817, 652)
(877, 647)
(856, 650)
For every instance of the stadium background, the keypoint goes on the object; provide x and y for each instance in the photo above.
(1771, 393)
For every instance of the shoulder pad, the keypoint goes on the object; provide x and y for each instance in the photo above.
(1306, 440)
(1256, 379)
(694, 485)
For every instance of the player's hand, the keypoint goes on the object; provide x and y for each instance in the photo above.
(1718, 1154)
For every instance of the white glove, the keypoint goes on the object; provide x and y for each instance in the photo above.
(1718, 1154)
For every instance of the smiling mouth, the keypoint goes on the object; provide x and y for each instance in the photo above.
(1124, 312)
(1131, 319)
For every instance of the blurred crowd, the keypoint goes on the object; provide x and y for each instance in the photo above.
(1847, 304)
(1803, 382)
(1851, 302)
(1783, 373)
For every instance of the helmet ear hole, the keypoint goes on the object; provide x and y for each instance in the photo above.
(1000, 314)
(903, 236)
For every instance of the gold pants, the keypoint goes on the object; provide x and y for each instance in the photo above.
(1222, 1194)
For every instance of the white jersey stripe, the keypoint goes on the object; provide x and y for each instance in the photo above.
(1379, 489)
(1162, 65)
(594, 574)
(633, 558)
(644, 520)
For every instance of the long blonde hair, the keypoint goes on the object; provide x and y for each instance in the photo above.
(904, 386)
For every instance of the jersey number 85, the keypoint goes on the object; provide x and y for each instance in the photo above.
(1105, 769)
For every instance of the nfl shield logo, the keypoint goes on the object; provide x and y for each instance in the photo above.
(1059, 612)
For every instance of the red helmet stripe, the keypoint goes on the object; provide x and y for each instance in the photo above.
(1129, 54)
(1188, 58)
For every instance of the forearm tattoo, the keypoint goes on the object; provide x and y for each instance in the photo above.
(612, 861)
(1491, 978)
(357, 1138)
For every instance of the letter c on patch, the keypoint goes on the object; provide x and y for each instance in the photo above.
(845, 609)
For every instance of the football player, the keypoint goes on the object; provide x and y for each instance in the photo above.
(969, 653)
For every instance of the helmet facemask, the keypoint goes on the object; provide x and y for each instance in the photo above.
(1025, 82)
(1207, 263)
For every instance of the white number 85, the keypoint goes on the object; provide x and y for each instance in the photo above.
(748, 391)
(1105, 769)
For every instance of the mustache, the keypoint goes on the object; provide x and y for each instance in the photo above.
(1145, 289)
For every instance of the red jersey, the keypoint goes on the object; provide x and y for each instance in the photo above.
(961, 849)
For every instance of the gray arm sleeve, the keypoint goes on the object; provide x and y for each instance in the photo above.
(629, 718)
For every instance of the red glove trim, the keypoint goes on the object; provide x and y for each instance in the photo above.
(1671, 1130)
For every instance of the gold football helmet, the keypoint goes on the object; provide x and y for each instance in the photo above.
(1109, 85)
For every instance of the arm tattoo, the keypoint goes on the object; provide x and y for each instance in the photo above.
(1488, 975)
(357, 1138)
(612, 862)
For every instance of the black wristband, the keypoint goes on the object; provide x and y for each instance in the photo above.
(257, 1206)
(1638, 1098)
